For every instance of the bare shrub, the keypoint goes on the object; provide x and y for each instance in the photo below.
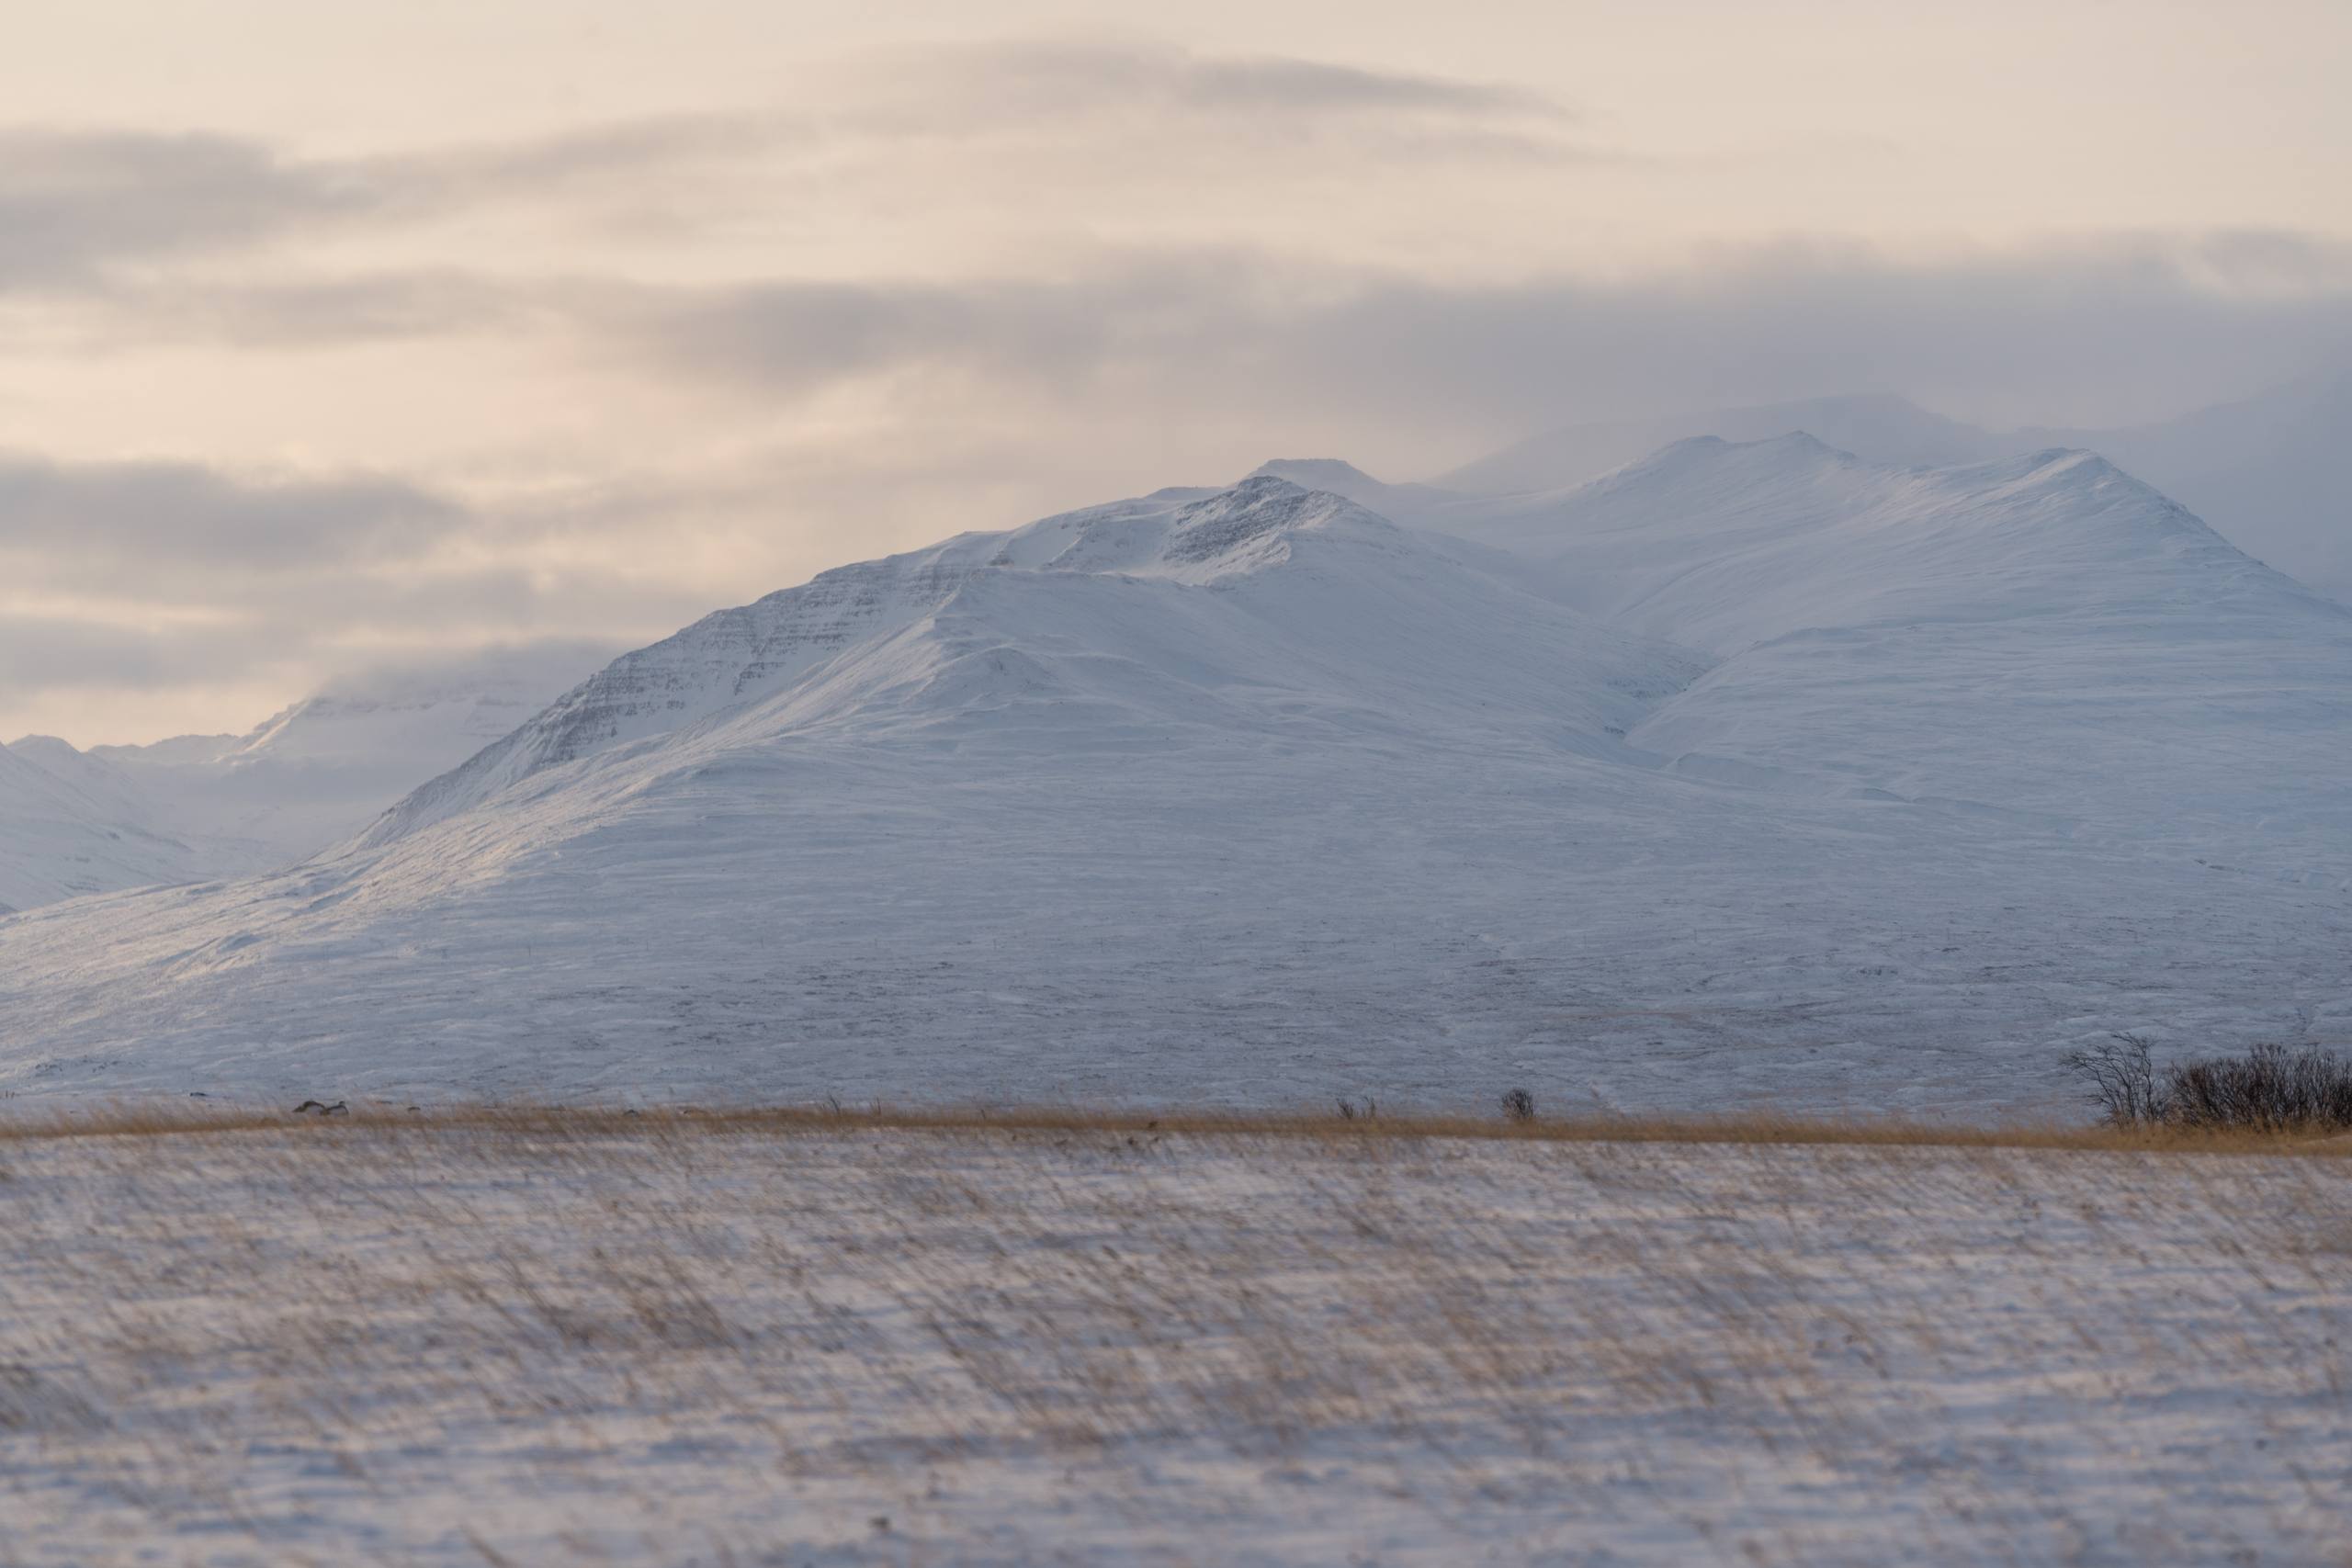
(2122, 1078)
(2271, 1088)
(1519, 1105)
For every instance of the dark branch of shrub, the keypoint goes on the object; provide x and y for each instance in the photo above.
(2271, 1088)
(1519, 1105)
(2122, 1078)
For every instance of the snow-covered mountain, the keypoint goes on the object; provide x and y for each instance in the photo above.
(1094, 628)
(210, 805)
(1401, 503)
(69, 825)
(2272, 474)
(1747, 771)
(2064, 639)
(1876, 425)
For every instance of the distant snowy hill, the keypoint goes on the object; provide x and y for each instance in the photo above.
(210, 805)
(1878, 426)
(2272, 474)
(1746, 772)
(2042, 634)
(68, 828)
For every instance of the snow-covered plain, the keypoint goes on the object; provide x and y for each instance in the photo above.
(680, 1345)
(1749, 773)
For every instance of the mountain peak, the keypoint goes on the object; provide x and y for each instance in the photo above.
(1260, 484)
(43, 746)
(1264, 507)
(2062, 467)
(1401, 503)
(1791, 453)
(1315, 473)
(1879, 425)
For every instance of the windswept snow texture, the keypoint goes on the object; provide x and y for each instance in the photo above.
(867, 1349)
(1748, 773)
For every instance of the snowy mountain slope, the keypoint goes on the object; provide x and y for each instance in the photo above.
(2270, 474)
(827, 640)
(2070, 641)
(321, 769)
(105, 790)
(1255, 796)
(76, 831)
(1720, 544)
(209, 806)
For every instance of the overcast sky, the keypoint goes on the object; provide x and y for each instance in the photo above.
(340, 335)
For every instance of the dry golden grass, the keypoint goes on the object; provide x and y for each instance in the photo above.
(533, 1334)
(164, 1119)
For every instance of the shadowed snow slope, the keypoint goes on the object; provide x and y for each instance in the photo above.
(1747, 773)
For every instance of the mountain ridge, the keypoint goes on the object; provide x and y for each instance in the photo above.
(738, 655)
(193, 807)
(1251, 797)
(2268, 472)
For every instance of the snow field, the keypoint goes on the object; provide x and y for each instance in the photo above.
(523, 1344)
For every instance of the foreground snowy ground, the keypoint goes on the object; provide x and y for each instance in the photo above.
(441, 1343)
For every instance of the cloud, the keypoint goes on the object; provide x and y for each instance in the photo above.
(2179, 319)
(544, 666)
(1012, 88)
(86, 522)
(150, 577)
(630, 370)
(840, 420)
(45, 653)
(327, 558)
(421, 304)
(801, 338)
(77, 207)
(543, 167)
(72, 203)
